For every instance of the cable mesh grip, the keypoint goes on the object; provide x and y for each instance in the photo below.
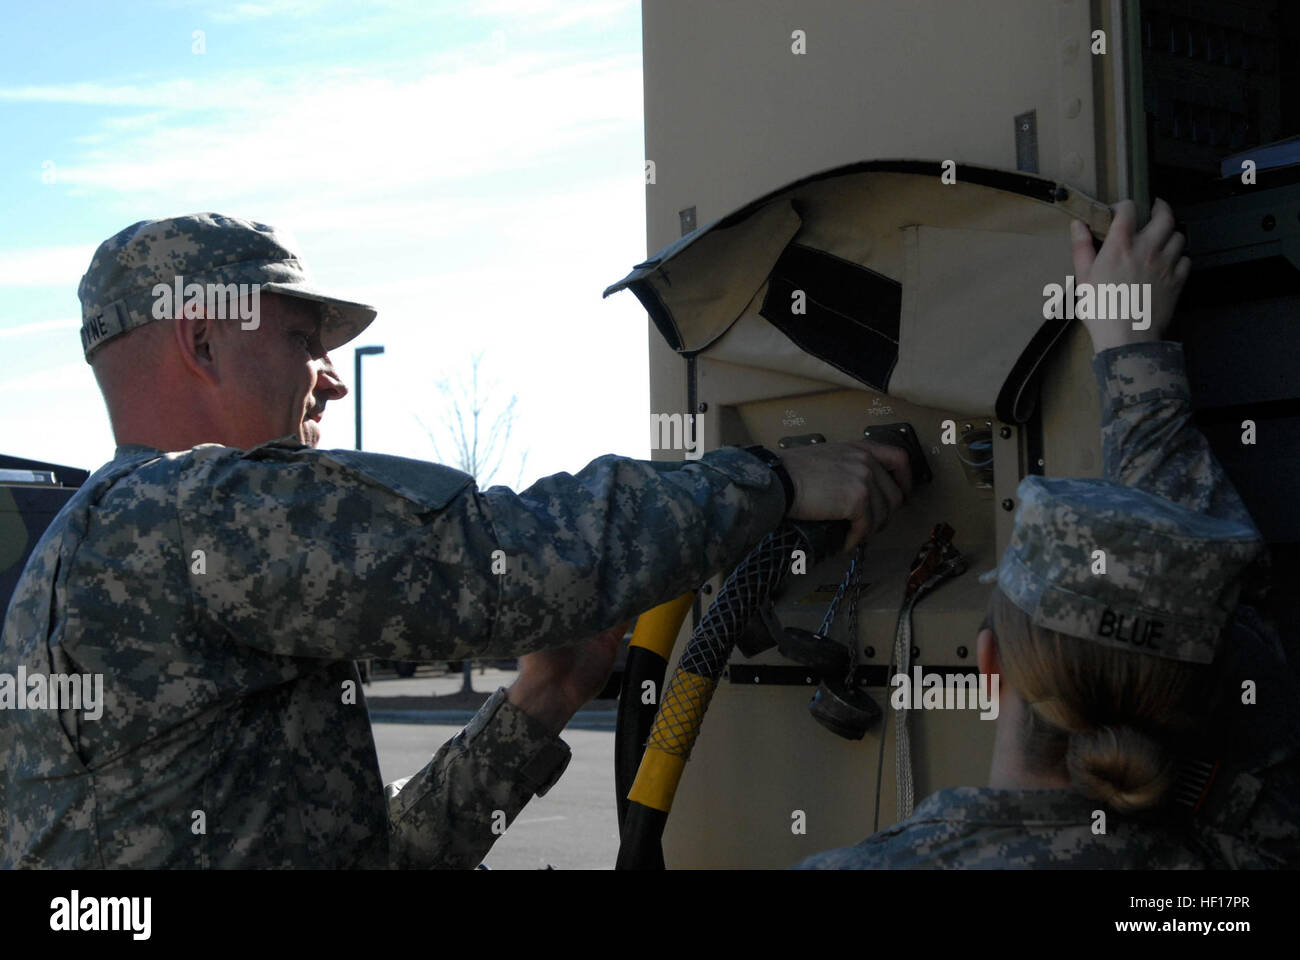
(755, 579)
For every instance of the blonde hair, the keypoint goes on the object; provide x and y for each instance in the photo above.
(1117, 721)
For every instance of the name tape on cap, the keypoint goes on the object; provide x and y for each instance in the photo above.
(108, 322)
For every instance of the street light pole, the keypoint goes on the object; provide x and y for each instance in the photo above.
(361, 352)
(362, 665)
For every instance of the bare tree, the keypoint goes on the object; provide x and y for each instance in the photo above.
(476, 435)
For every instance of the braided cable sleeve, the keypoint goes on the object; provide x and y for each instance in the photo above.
(687, 697)
(902, 737)
(752, 582)
(952, 565)
(749, 585)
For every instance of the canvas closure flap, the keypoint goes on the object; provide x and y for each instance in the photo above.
(695, 289)
(918, 279)
(969, 323)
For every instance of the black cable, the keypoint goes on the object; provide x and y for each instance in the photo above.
(634, 720)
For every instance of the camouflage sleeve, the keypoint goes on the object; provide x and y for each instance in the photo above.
(1148, 438)
(341, 555)
(449, 814)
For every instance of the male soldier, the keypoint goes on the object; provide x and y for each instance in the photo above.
(222, 575)
(1101, 673)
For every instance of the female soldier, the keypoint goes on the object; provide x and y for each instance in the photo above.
(1112, 601)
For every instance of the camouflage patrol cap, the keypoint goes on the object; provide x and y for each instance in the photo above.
(117, 292)
(1171, 580)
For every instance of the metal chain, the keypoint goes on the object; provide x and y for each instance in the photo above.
(850, 576)
(851, 585)
(827, 621)
(855, 571)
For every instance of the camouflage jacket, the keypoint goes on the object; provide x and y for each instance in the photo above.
(1148, 441)
(223, 595)
(1251, 814)
(983, 827)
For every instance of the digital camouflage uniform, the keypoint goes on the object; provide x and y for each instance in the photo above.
(225, 690)
(224, 595)
(1252, 817)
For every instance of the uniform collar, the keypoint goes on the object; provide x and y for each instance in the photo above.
(130, 450)
(989, 805)
(125, 450)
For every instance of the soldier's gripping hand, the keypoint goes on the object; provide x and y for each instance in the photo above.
(552, 684)
(861, 482)
(1153, 255)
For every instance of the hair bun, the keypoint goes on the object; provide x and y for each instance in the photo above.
(1120, 766)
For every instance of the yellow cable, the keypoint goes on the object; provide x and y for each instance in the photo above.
(676, 726)
(657, 629)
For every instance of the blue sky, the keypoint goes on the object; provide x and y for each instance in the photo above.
(472, 168)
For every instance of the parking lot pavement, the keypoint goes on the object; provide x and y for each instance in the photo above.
(573, 827)
(434, 697)
(433, 681)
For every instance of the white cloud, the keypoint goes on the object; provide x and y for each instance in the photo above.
(572, 14)
(533, 307)
(39, 326)
(64, 420)
(49, 379)
(471, 197)
(238, 12)
(380, 133)
(553, 13)
(45, 266)
(169, 93)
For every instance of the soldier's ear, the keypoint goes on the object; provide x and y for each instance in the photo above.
(986, 652)
(194, 339)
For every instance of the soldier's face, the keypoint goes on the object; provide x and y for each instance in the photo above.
(282, 375)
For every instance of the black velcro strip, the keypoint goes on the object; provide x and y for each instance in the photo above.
(1017, 399)
(852, 314)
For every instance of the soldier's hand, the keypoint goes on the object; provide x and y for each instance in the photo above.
(552, 684)
(1153, 255)
(861, 482)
